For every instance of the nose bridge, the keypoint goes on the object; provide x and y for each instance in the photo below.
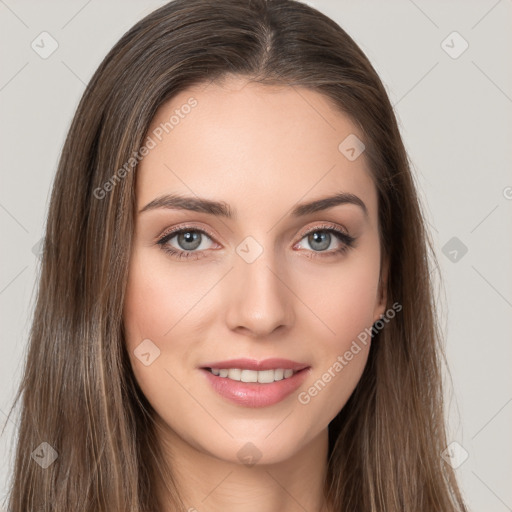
(261, 301)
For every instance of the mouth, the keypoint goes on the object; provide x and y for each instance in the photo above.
(252, 383)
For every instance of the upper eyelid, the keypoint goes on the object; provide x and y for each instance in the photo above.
(177, 230)
(325, 226)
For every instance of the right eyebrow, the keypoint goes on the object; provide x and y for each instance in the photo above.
(195, 204)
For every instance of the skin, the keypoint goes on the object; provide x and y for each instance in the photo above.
(262, 150)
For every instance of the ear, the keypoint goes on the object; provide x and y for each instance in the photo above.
(382, 293)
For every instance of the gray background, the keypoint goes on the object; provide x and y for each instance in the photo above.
(454, 115)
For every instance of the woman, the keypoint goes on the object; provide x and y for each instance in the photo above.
(235, 308)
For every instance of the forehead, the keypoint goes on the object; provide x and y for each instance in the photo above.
(224, 139)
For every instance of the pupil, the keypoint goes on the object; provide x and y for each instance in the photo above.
(320, 237)
(189, 237)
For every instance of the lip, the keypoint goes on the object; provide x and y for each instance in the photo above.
(254, 394)
(253, 364)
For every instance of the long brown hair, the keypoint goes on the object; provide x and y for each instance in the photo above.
(78, 392)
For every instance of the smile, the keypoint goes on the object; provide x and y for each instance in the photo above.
(252, 383)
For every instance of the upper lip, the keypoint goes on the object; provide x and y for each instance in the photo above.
(253, 364)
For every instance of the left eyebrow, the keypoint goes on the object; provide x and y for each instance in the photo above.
(329, 202)
(219, 208)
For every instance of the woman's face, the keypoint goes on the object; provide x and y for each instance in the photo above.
(256, 276)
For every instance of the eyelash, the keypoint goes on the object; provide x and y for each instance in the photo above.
(346, 240)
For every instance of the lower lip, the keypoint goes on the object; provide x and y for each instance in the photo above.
(254, 394)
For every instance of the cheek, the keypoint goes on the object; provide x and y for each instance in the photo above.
(344, 299)
(343, 296)
(158, 307)
(160, 301)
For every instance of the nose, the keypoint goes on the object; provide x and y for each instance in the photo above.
(260, 301)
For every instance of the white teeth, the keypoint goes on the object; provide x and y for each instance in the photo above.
(249, 376)
(263, 376)
(266, 376)
(235, 373)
